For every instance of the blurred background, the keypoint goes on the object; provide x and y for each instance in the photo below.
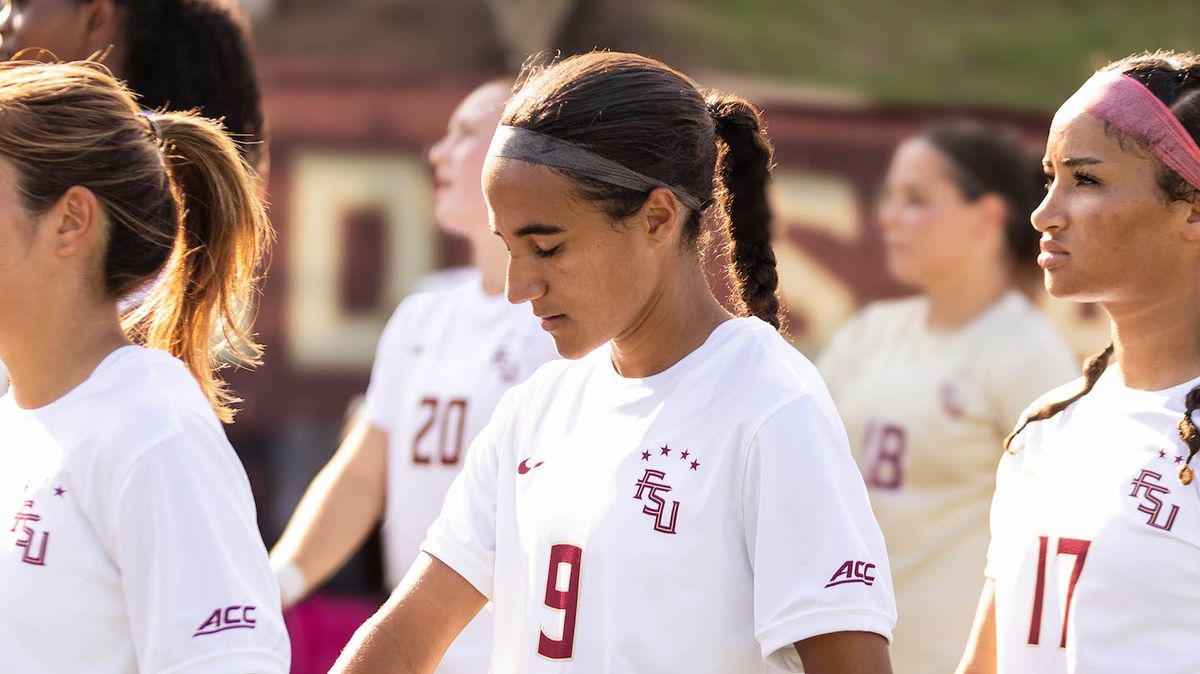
(356, 91)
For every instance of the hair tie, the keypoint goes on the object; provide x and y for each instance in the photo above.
(536, 148)
(152, 122)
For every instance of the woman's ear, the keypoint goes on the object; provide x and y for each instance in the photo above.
(661, 216)
(74, 219)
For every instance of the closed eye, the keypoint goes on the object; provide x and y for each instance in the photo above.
(548, 252)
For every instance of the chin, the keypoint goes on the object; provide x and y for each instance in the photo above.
(572, 347)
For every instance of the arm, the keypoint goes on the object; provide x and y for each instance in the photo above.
(338, 510)
(845, 653)
(980, 654)
(412, 631)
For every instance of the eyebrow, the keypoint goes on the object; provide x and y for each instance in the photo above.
(1076, 161)
(536, 229)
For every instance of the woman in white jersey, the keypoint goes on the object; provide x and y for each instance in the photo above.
(132, 545)
(442, 365)
(681, 496)
(929, 385)
(181, 54)
(1094, 563)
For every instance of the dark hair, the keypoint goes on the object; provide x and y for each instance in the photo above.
(1174, 78)
(653, 119)
(178, 197)
(988, 159)
(194, 54)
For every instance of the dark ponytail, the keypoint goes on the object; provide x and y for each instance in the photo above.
(653, 119)
(744, 159)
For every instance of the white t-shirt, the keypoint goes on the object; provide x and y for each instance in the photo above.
(131, 543)
(1095, 544)
(3, 379)
(443, 363)
(700, 520)
(927, 414)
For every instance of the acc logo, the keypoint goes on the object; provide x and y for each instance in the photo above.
(228, 618)
(853, 572)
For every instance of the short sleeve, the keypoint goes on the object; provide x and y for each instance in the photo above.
(464, 535)
(1007, 477)
(819, 561)
(387, 371)
(198, 587)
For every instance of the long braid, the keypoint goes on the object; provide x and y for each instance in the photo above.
(743, 171)
(1189, 434)
(1091, 371)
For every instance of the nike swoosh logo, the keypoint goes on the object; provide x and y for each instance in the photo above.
(524, 466)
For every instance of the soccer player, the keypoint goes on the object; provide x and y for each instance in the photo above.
(929, 385)
(1093, 564)
(444, 360)
(680, 497)
(133, 544)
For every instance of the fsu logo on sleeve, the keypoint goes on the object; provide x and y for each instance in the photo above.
(652, 487)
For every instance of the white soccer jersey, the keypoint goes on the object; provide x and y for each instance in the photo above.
(700, 520)
(927, 415)
(1095, 543)
(443, 363)
(130, 543)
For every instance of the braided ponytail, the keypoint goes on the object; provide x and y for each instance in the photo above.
(744, 159)
(1091, 372)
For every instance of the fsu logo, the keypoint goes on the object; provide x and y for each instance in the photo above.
(650, 487)
(1147, 487)
(653, 485)
(853, 571)
(35, 551)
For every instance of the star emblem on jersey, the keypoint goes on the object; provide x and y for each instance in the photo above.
(652, 488)
(524, 466)
(59, 491)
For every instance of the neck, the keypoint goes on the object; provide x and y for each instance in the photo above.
(491, 259)
(679, 317)
(50, 354)
(1155, 341)
(955, 301)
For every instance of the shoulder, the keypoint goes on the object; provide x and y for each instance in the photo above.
(879, 319)
(143, 400)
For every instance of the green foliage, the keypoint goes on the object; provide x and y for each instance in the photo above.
(1022, 53)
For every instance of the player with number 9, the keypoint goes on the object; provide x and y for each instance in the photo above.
(680, 495)
(1095, 552)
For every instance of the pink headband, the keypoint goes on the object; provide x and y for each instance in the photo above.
(1125, 103)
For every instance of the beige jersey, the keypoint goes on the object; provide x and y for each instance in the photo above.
(927, 414)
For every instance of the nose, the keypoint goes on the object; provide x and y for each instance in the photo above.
(437, 153)
(523, 283)
(1048, 215)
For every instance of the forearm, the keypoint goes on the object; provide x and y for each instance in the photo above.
(979, 656)
(412, 631)
(338, 510)
(845, 653)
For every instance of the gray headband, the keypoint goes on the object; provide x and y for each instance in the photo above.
(536, 148)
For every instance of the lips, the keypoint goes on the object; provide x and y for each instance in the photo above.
(1053, 255)
(551, 322)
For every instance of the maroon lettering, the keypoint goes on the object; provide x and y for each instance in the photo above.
(228, 618)
(566, 601)
(34, 553)
(1066, 546)
(648, 489)
(884, 448)
(852, 571)
(450, 421)
(1147, 484)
